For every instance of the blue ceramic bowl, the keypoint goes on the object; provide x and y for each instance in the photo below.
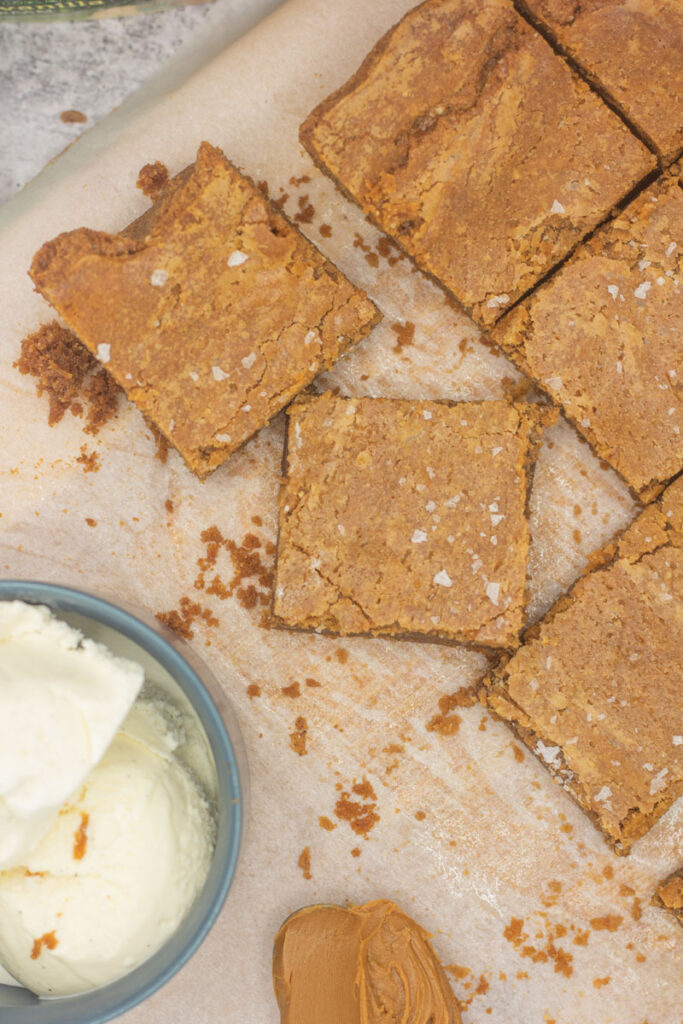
(136, 634)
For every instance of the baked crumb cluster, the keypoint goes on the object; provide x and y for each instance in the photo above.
(488, 146)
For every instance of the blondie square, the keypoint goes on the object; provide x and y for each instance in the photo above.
(211, 311)
(596, 691)
(406, 518)
(632, 50)
(466, 138)
(603, 338)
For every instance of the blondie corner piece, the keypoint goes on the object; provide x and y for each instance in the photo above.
(630, 49)
(669, 895)
(472, 143)
(596, 691)
(603, 338)
(406, 518)
(211, 310)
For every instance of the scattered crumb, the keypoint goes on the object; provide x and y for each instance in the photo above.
(306, 211)
(325, 230)
(389, 251)
(89, 460)
(152, 179)
(601, 982)
(325, 823)
(364, 789)
(291, 691)
(405, 334)
(247, 565)
(297, 738)
(257, 521)
(518, 752)
(608, 923)
(445, 722)
(355, 852)
(168, 505)
(298, 182)
(182, 619)
(55, 356)
(49, 939)
(253, 690)
(81, 838)
(90, 522)
(447, 725)
(361, 817)
(305, 863)
(313, 683)
(561, 959)
(73, 117)
(342, 655)
(420, 815)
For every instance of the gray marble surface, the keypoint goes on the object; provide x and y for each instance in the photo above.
(90, 66)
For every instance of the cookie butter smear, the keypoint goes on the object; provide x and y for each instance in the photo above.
(363, 965)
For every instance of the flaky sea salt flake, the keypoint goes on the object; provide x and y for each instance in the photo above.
(237, 258)
(443, 579)
(498, 300)
(658, 782)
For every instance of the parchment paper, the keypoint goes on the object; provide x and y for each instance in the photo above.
(498, 840)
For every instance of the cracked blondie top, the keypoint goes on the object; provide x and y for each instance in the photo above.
(633, 50)
(596, 690)
(603, 338)
(468, 140)
(669, 894)
(406, 518)
(212, 311)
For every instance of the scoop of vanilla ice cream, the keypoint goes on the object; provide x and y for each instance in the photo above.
(119, 870)
(62, 700)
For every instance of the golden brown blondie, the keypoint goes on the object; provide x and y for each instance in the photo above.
(595, 691)
(603, 338)
(406, 518)
(211, 311)
(466, 138)
(632, 50)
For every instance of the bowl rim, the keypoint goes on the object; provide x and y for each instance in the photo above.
(168, 649)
